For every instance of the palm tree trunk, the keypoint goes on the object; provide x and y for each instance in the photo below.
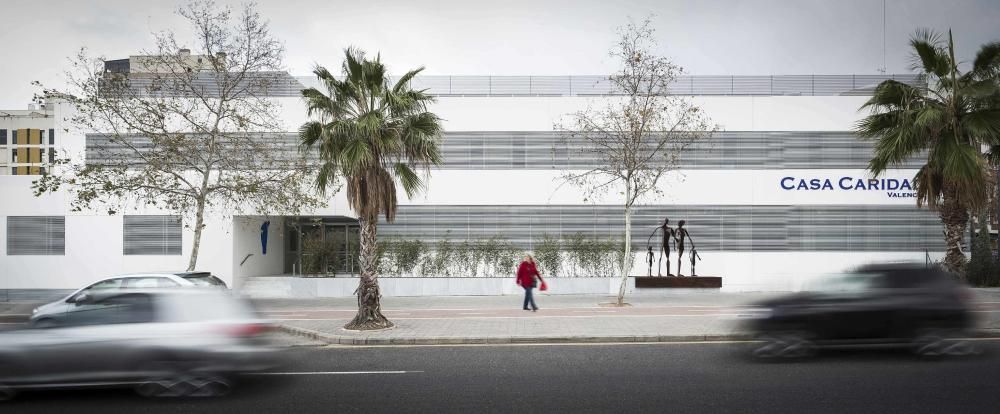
(369, 315)
(955, 217)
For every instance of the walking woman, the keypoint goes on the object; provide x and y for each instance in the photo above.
(526, 274)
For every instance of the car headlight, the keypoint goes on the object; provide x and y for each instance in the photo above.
(34, 311)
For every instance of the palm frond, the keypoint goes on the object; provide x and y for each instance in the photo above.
(408, 178)
(371, 132)
(928, 54)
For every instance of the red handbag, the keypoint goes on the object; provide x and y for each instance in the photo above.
(543, 287)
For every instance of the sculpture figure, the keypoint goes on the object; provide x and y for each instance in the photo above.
(649, 259)
(680, 235)
(694, 255)
(668, 234)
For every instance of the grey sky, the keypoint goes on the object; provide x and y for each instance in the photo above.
(753, 37)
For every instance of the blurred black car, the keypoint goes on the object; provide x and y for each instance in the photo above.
(911, 304)
(178, 342)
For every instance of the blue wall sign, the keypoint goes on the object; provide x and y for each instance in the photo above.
(263, 236)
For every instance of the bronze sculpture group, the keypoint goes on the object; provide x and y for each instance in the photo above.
(678, 236)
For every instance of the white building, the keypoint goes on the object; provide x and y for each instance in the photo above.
(778, 198)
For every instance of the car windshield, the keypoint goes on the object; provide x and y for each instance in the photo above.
(204, 279)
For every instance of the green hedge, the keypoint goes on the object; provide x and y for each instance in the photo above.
(574, 256)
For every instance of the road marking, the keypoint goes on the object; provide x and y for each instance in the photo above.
(335, 373)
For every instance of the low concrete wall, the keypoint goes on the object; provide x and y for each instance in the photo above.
(305, 287)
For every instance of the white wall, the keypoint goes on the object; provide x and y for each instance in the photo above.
(712, 187)
(246, 240)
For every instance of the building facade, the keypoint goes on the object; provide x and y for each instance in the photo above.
(776, 199)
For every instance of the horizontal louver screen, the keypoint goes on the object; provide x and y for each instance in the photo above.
(499, 150)
(713, 228)
(36, 235)
(152, 235)
(704, 85)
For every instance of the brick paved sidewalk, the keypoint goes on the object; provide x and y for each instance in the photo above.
(562, 319)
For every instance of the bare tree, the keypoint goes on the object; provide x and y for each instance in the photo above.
(635, 138)
(190, 133)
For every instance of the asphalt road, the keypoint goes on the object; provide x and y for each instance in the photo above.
(702, 377)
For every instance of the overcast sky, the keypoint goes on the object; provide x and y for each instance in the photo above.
(512, 37)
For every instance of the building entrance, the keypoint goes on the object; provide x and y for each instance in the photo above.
(322, 245)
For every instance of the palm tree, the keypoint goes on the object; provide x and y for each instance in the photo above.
(371, 133)
(950, 121)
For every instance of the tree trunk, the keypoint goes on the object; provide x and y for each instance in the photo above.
(626, 262)
(369, 315)
(199, 223)
(954, 216)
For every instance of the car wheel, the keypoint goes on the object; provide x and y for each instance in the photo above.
(941, 343)
(175, 379)
(784, 345)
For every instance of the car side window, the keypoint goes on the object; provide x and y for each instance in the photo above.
(118, 309)
(99, 286)
(134, 308)
(107, 284)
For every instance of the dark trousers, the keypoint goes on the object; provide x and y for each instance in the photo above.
(528, 298)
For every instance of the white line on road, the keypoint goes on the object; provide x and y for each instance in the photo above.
(336, 373)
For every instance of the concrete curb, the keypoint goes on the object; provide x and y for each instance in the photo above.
(15, 318)
(487, 340)
(496, 340)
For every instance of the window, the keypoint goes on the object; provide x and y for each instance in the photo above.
(99, 286)
(3, 137)
(52, 156)
(36, 235)
(107, 284)
(152, 235)
(52, 136)
(13, 137)
(117, 309)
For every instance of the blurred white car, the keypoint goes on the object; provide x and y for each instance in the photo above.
(53, 313)
(163, 342)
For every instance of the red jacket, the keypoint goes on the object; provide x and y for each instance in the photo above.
(526, 274)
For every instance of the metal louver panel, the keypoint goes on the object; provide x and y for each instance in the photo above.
(36, 235)
(152, 235)
(714, 228)
(600, 85)
(501, 150)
